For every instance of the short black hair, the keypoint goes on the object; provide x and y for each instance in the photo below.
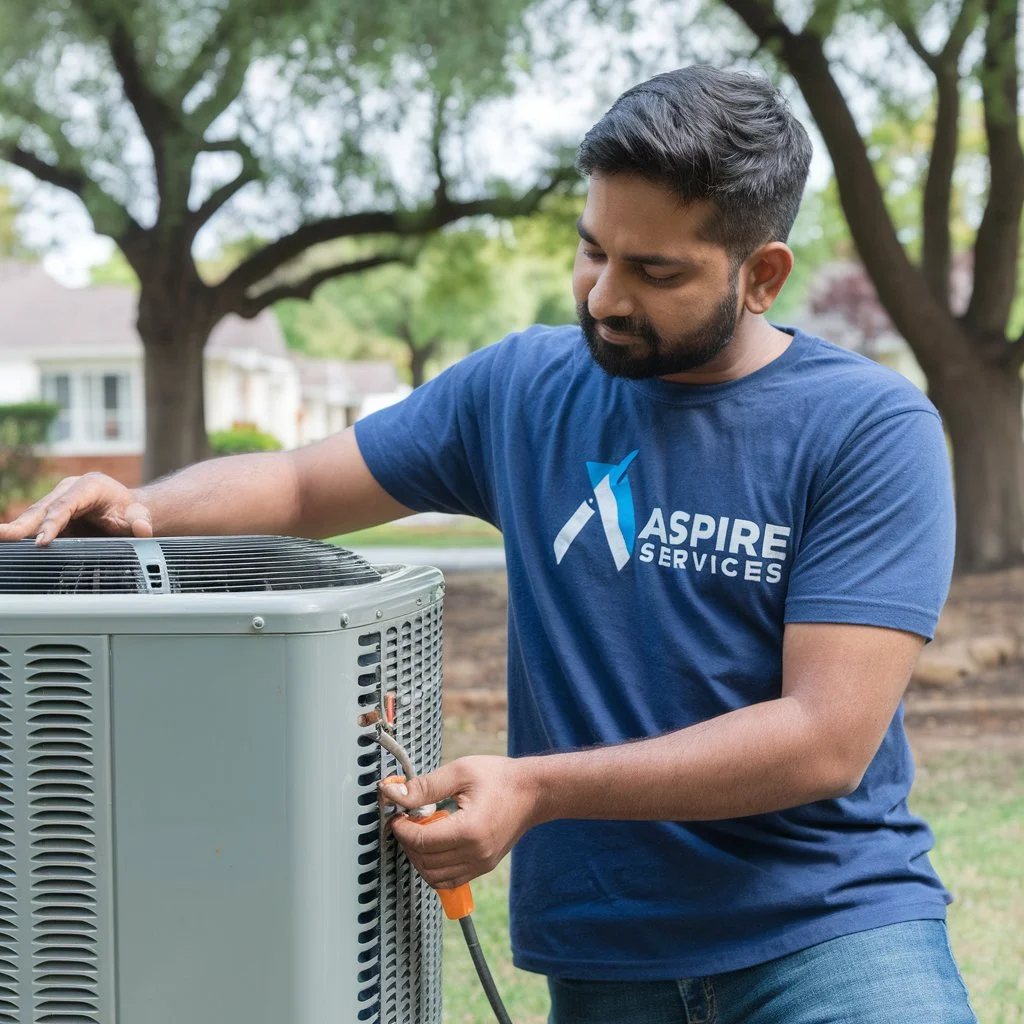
(705, 133)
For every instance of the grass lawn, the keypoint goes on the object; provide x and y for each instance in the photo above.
(473, 534)
(973, 797)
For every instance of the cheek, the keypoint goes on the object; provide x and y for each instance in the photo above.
(582, 280)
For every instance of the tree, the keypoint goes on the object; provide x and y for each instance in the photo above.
(161, 117)
(11, 245)
(972, 359)
(444, 298)
(463, 289)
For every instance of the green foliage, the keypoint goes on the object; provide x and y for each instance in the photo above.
(308, 90)
(240, 440)
(466, 288)
(23, 427)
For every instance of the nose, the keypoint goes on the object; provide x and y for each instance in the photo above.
(607, 297)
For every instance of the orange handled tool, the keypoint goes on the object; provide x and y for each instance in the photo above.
(458, 902)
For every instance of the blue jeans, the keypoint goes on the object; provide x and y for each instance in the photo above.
(899, 974)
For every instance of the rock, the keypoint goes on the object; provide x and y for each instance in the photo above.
(994, 650)
(944, 664)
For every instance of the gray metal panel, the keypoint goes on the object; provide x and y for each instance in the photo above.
(251, 881)
(411, 916)
(297, 611)
(57, 956)
(324, 812)
(201, 801)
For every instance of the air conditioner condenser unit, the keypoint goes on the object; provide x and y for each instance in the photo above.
(189, 825)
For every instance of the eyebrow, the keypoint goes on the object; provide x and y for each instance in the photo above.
(649, 259)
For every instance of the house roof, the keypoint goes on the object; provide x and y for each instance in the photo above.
(39, 314)
(372, 377)
(41, 319)
(339, 381)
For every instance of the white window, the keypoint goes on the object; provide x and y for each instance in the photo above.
(95, 408)
(57, 389)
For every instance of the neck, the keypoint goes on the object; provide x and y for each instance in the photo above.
(754, 344)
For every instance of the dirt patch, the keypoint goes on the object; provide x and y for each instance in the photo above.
(980, 636)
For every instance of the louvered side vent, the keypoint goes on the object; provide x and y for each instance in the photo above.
(70, 567)
(11, 998)
(411, 917)
(199, 565)
(69, 892)
(369, 840)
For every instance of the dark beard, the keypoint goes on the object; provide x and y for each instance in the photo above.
(661, 357)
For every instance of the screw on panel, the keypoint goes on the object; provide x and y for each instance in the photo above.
(257, 622)
(419, 600)
(380, 614)
(344, 620)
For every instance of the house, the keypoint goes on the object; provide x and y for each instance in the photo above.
(79, 349)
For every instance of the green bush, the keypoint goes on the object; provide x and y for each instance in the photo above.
(23, 427)
(241, 440)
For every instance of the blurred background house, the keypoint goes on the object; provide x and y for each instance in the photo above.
(78, 348)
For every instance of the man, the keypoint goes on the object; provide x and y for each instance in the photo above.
(727, 543)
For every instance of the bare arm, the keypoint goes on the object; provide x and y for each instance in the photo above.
(841, 686)
(317, 491)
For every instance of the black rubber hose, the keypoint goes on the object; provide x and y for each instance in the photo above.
(483, 971)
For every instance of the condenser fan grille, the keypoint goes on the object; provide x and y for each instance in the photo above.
(190, 565)
(241, 564)
(70, 567)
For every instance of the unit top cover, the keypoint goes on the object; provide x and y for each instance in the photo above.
(178, 565)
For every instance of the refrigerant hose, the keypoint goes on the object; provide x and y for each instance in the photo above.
(476, 953)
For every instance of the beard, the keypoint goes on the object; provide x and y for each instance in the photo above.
(652, 354)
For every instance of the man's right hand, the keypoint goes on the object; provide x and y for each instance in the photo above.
(82, 505)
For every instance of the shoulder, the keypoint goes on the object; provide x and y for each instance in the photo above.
(855, 387)
(539, 347)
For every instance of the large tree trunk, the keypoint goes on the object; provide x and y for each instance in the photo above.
(981, 406)
(418, 363)
(175, 416)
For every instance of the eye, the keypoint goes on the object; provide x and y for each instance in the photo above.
(593, 254)
(651, 279)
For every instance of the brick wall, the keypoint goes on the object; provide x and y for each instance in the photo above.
(126, 468)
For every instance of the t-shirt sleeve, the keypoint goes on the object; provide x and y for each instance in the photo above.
(430, 450)
(877, 547)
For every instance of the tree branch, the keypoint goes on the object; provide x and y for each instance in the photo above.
(253, 306)
(248, 173)
(909, 32)
(222, 39)
(109, 217)
(936, 249)
(71, 181)
(938, 187)
(154, 114)
(380, 222)
(900, 285)
(965, 23)
(996, 244)
(436, 138)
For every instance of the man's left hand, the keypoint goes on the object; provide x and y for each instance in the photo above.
(498, 801)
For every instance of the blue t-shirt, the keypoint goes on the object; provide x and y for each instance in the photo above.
(658, 538)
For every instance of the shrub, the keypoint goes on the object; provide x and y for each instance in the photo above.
(23, 427)
(241, 440)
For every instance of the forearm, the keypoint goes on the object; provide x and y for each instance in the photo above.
(239, 494)
(751, 761)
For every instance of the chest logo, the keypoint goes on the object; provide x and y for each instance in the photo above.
(614, 501)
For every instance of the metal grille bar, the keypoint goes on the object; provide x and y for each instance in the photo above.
(55, 883)
(411, 920)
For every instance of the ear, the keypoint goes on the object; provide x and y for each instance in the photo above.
(763, 274)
